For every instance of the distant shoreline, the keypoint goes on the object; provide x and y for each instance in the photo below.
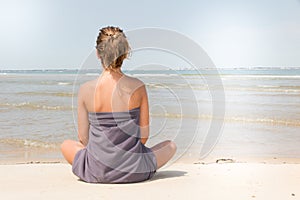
(183, 71)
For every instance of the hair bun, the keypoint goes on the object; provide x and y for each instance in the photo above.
(112, 47)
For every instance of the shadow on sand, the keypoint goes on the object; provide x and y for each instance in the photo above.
(168, 174)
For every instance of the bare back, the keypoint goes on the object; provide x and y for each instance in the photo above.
(112, 92)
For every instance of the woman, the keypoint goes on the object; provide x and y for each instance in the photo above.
(113, 122)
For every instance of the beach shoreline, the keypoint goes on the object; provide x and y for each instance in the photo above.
(184, 160)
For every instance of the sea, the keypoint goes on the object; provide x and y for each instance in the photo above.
(229, 113)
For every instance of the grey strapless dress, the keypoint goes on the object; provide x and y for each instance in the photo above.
(114, 153)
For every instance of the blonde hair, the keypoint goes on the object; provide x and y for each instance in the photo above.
(112, 47)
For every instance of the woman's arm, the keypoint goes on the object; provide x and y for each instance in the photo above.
(83, 122)
(144, 115)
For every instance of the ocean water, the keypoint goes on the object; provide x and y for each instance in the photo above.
(262, 112)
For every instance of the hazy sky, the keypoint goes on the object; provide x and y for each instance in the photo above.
(61, 33)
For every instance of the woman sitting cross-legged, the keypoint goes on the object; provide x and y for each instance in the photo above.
(113, 122)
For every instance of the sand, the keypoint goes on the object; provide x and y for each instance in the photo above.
(178, 181)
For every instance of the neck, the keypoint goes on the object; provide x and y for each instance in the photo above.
(112, 71)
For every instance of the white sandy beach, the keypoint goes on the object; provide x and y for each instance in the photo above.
(178, 181)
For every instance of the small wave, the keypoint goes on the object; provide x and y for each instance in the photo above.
(34, 106)
(92, 74)
(259, 77)
(54, 83)
(154, 85)
(59, 94)
(233, 119)
(269, 86)
(266, 89)
(62, 94)
(29, 143)
(64, 83)
(178, 86)
(265, 121)
(257, 88)
(155, 75)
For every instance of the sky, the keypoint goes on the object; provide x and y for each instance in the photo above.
(43, 34)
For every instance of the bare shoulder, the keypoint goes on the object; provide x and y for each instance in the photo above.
(131, 86)
(133, 82)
